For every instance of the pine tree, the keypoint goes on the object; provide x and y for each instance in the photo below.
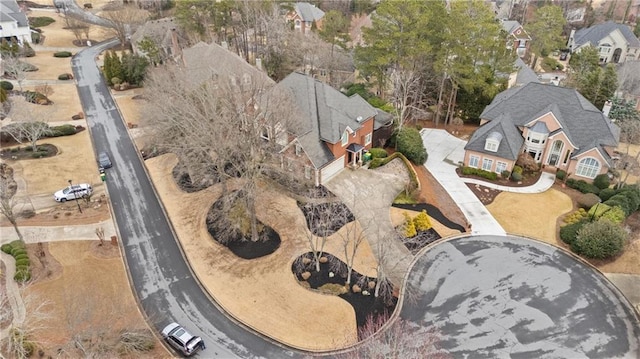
(107, 68)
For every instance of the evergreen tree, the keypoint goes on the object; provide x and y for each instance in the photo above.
(107, 67)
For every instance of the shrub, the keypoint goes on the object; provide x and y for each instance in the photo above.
(65, 77)
(602, 181)
(422, 221)
(582, 186)
(599, 240)
(606, 193)
(561, 175)
(6, 248)
(515, 176)
(409, 143)
(621, 201)
(21, 256)
(527, 162)
(27, 50)
(517, 169)
(36, 97)
(569, 232)
(16, 251)
(6, 85)
(575, 216)
(40, 21)
(23, 262)
(467, 171)
(62, 130)
(3, 95)
(377, 162)
(378, 153)
(116, 81)
(633, 196)
(505, 174)
(615, 215)
(22, 275)
(409, 228)
(62, 54)
(587, 200)
(551, 64)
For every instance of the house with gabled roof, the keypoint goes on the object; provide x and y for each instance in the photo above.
(304, 15)
(165, 34)
(616, 43)
(517, 38)
(556, 126)
(204, 61)
(334, 132)
(14, 25)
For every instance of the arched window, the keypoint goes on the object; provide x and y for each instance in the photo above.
(588, 167)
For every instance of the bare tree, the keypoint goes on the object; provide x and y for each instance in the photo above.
(77, 27)
(100, 234)
(8, 189)
(27, 131)
(630, 134)
(16, 69)
(351, 237)
(125, 20)
(234, 122)
(22, 333)
(398, 339)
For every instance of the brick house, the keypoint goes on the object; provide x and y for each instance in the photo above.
(517, 38)
(304, 15)
(557, 126)
(335, 130)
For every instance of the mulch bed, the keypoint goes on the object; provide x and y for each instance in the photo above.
(486, 195)
(365, 305)
(433, 212)
(324, 219)
(25, 153)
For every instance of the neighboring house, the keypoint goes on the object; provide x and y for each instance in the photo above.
(557, 126)
(14, 25)
(165, 34)
(304, 15)
(518, 39)
(335, 130)
(211, 61)
(616, 43)
(629, 82)
(522, 75)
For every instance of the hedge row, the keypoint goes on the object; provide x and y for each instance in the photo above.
(468, 171)
(18, 250)
(582, 186)
(378, 153)
(62, 54)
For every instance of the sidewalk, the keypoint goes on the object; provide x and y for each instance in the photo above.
(58, 233)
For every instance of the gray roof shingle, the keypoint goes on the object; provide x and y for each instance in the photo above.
(585, 125)
(595, 33)
(10, 11)
(324, 112)
(308, 12)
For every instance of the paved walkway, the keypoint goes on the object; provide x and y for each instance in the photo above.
(58, 233)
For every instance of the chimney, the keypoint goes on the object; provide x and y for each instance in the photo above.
(607, 108)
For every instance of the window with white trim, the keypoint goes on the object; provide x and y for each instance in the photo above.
(501, 167)
(345, 138)
(487, 164)
(367, 139)
(588, 167)
(490, 145)
(473, 161)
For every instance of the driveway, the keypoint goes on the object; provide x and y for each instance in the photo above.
(511, 297)
(445, 152)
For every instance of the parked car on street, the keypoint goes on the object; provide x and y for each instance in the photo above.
(181, 340)
(103, 160)
(73, 192)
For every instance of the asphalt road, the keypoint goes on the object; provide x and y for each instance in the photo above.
(511, 297)
(165, 286)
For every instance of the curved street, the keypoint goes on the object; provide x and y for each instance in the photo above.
(165, 286)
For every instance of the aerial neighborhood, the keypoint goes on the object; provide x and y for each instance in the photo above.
(295, 179)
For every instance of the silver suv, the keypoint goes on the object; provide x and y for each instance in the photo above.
(180, 339)
(73, 192)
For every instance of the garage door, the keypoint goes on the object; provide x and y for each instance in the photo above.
(331, 169)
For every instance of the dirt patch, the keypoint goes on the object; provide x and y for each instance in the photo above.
(66, 214)
(26, 152)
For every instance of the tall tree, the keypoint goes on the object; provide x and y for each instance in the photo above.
(473, 55)
(599, 85)
(335, 29)
(8, 189)
(546, 30)
(125, 20)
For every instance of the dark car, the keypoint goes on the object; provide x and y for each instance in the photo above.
(103, 160)
(563, 55)
(180, 339)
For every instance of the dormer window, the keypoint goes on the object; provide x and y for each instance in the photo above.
(492, 142)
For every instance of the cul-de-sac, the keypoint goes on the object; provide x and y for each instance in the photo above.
(332, 178)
